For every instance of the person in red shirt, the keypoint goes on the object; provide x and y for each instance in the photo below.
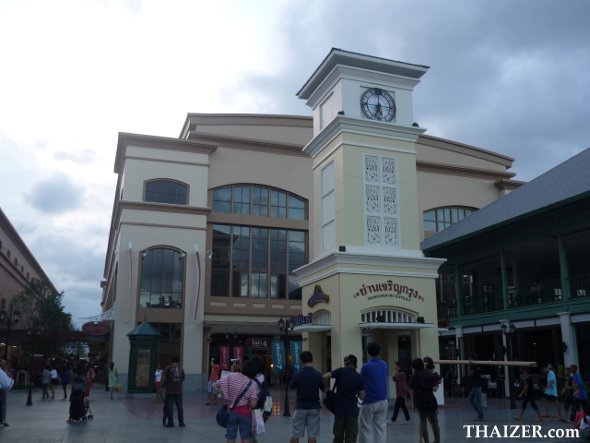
(213, 378)
(401, 392)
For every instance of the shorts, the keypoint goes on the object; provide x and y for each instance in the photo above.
(243, 422)
(306, 419)
(549, 397)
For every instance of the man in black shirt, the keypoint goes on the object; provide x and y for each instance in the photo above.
(308, 382)
(348, 386)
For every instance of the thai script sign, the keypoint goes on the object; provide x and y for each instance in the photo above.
(300, 320)
(388, 289)
(296, 348)
(257, 342)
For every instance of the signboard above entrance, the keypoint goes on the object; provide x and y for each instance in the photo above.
(96, 329)
(257, 342)
(388, 289)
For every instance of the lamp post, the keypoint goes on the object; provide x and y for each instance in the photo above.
(285, 326)
(6, 318)
(31, 333)
(508, 329)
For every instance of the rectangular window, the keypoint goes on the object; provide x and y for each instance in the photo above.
(256, 262)
(328, 216)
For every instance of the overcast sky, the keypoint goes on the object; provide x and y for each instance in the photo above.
(509, 76)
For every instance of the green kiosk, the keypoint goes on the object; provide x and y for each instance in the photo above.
(142, 358)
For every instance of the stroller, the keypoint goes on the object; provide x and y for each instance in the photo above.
(79, 405)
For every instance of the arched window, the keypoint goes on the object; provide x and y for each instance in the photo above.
(162, 278)
(438, 219)
(261, 201)
(166, 191)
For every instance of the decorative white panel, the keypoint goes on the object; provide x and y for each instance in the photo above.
(373, 204)
(371, 169)
(373, 230)
(381, 201)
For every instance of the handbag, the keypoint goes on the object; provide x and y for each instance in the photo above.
(330, 398)
(222, 416)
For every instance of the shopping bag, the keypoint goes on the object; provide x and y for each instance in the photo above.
(258, 419)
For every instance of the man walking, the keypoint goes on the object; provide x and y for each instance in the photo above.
(373, 416)
(579, 392)
(308, 382)
(550, 392)
(172, 380)
(475, 393)
(348, 386)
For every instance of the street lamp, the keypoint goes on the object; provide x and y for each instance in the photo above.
(5, 318)
(508, 329)
(31, 333)
(285, 326)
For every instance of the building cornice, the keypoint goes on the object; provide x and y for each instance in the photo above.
(342, 124)
(422, 166)
(156, 142)
(224, 141)
(462, 148)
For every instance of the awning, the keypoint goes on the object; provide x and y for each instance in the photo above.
(396, 325)
(312, 328)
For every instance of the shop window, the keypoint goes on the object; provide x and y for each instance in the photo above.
(162, 278)
(166, 191)
(439, 219)
(256, 261)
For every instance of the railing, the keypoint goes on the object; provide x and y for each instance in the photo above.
(537, 293)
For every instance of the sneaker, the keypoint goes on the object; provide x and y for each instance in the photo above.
(390, 422)
(516, 417)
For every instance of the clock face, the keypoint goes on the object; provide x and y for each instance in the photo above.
(378, 104)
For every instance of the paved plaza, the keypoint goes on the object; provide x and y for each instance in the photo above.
(138, 418)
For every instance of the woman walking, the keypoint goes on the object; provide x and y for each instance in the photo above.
(401, 392)
(422, 385)
(113, 379)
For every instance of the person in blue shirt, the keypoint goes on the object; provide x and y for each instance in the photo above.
(308, 383)
(373, 416)
(579, 390)
(349, 388)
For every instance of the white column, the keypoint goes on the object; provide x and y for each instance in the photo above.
(505, 348)
(459, 346)
(568, 336)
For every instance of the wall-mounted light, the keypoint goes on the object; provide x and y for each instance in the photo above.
(144, 253)
(130, 246)
(209, 254)
(182, 255)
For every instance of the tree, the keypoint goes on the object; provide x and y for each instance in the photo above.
(42, 307)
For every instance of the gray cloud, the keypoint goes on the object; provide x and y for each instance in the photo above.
(506, 76)
(83, 157)
(55, 194)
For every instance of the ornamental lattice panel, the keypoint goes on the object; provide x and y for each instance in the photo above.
(381, 201)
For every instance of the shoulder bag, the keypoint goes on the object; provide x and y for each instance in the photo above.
(222, 416)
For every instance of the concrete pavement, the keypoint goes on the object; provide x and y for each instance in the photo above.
(138, 418)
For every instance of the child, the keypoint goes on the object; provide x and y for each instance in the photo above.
(527, 396)
(583, 423)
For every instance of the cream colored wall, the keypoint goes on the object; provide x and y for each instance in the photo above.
(291, 135)
(292, 173)
(474, 160)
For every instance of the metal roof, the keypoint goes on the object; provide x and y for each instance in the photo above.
(567, 181)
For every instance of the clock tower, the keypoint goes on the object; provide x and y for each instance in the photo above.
(364, 236)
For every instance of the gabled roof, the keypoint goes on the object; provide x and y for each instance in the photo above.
(563, 184)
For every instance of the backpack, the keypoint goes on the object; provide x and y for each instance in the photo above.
(264, 402)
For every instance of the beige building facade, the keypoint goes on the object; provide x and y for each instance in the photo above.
(247, 219)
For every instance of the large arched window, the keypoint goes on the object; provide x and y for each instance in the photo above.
(262, 201)
(166, 191)
(438, 219)
(162, 278)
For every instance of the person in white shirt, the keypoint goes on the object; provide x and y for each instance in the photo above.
(6, 383)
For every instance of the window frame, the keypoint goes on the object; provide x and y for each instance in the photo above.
(178, 185)
(444, 217)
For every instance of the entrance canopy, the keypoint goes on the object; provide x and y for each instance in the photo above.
(312, 328)
(395, 326)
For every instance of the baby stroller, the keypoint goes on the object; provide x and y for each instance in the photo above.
(79, 405)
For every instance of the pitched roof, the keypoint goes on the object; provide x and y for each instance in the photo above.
(567, 181)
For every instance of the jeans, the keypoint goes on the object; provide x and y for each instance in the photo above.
(372, 428)
(172, 399)
(475, 400)
(345, 429)
(432, 417)
(400, 402)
